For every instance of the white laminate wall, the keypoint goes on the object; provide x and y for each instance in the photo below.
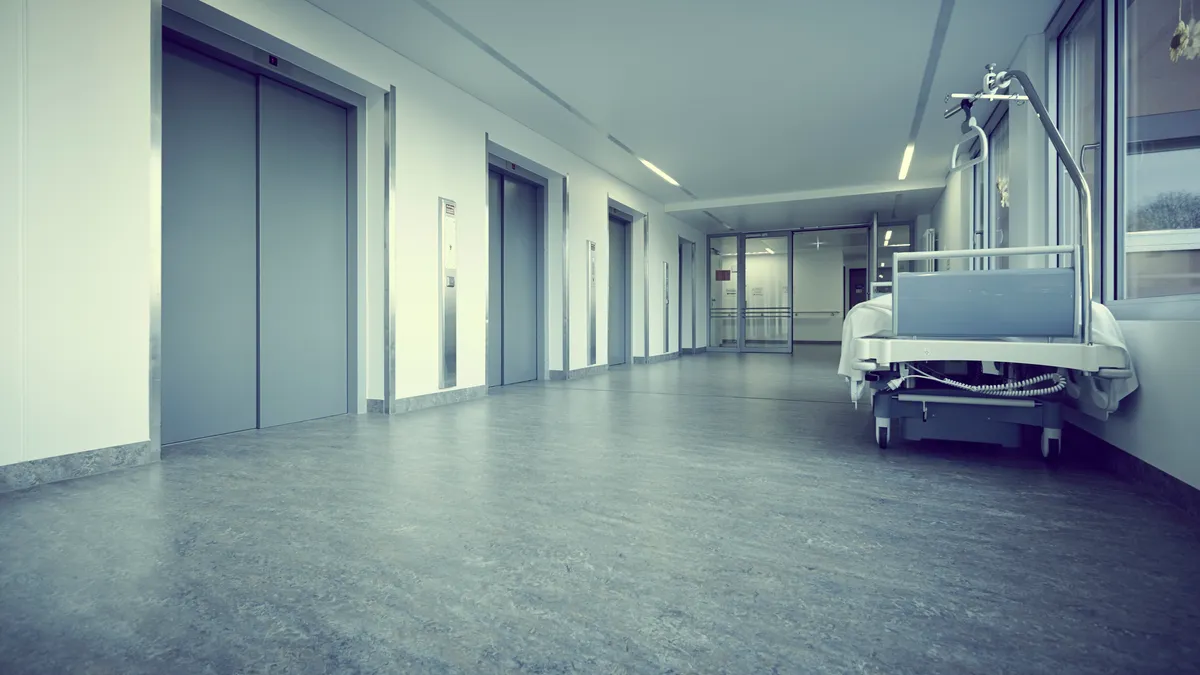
(74, 225)
(665, 231)
(12, 157)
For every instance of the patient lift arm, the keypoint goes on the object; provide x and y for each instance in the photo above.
(993, 83)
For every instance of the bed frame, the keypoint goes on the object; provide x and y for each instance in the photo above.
(1038, 317)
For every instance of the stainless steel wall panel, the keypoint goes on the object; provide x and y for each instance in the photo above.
(448, 299)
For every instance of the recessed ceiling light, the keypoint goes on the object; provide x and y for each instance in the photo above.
(904, 163)
(661, 174)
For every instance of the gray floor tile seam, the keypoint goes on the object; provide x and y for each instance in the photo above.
(565, 387)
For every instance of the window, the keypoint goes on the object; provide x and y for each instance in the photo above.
(1158, 212)
(980, 229)
(1081, 116)
(998, 189)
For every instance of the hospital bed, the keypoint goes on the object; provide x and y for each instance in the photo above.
(983, 354)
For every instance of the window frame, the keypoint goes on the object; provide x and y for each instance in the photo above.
(999, 116)
(1114, 141)
(1060, 184)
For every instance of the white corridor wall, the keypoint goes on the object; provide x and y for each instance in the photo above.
(74, 225)
(76, 197)
(818, 292)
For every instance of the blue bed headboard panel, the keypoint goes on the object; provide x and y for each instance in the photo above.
(985, 304)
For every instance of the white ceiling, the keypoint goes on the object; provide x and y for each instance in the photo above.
(731, 99)
(815, 211)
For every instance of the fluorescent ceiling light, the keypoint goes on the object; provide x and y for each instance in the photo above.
(887, 236)
(661, 174)
(770, 250)
(908, 153)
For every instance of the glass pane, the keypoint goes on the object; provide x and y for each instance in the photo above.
(1082, 61)
(768, 305)
(892, 239)
(723, 269)
(1160, 170)
(999, 187)
(829, 276)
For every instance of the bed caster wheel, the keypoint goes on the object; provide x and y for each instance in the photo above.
(881, 437)
(1051, 449)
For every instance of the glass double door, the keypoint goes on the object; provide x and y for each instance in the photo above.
(750, 293)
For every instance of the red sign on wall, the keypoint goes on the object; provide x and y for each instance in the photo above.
(724, 275)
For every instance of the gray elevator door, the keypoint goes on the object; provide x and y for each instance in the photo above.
(209, 338)
(495, 337)
(618, 330)
(302, 256)
(520, 282)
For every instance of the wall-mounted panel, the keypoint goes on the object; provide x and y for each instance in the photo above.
(591, 303)
(666, 311)
(448, 289)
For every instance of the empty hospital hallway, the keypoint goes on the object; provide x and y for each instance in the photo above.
(716, 513)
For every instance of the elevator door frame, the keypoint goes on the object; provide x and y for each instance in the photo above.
(623, 221)
(511, 171)
(210, 41)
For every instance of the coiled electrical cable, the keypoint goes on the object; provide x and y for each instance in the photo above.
(1003, 390)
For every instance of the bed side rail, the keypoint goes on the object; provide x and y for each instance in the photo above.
(1026, 303)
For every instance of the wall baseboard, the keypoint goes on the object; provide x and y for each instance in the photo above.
(694, 350)
(426, 401)
(579, 373)
(657, 358)
(23, 475)
(1146, 477)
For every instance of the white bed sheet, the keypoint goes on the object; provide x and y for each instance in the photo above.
(873, 318)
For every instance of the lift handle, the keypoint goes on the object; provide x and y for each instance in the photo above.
(974, 133)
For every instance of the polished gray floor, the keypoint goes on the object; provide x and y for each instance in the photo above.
(719, 513)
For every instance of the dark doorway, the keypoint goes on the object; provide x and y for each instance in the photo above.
(856, 287)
